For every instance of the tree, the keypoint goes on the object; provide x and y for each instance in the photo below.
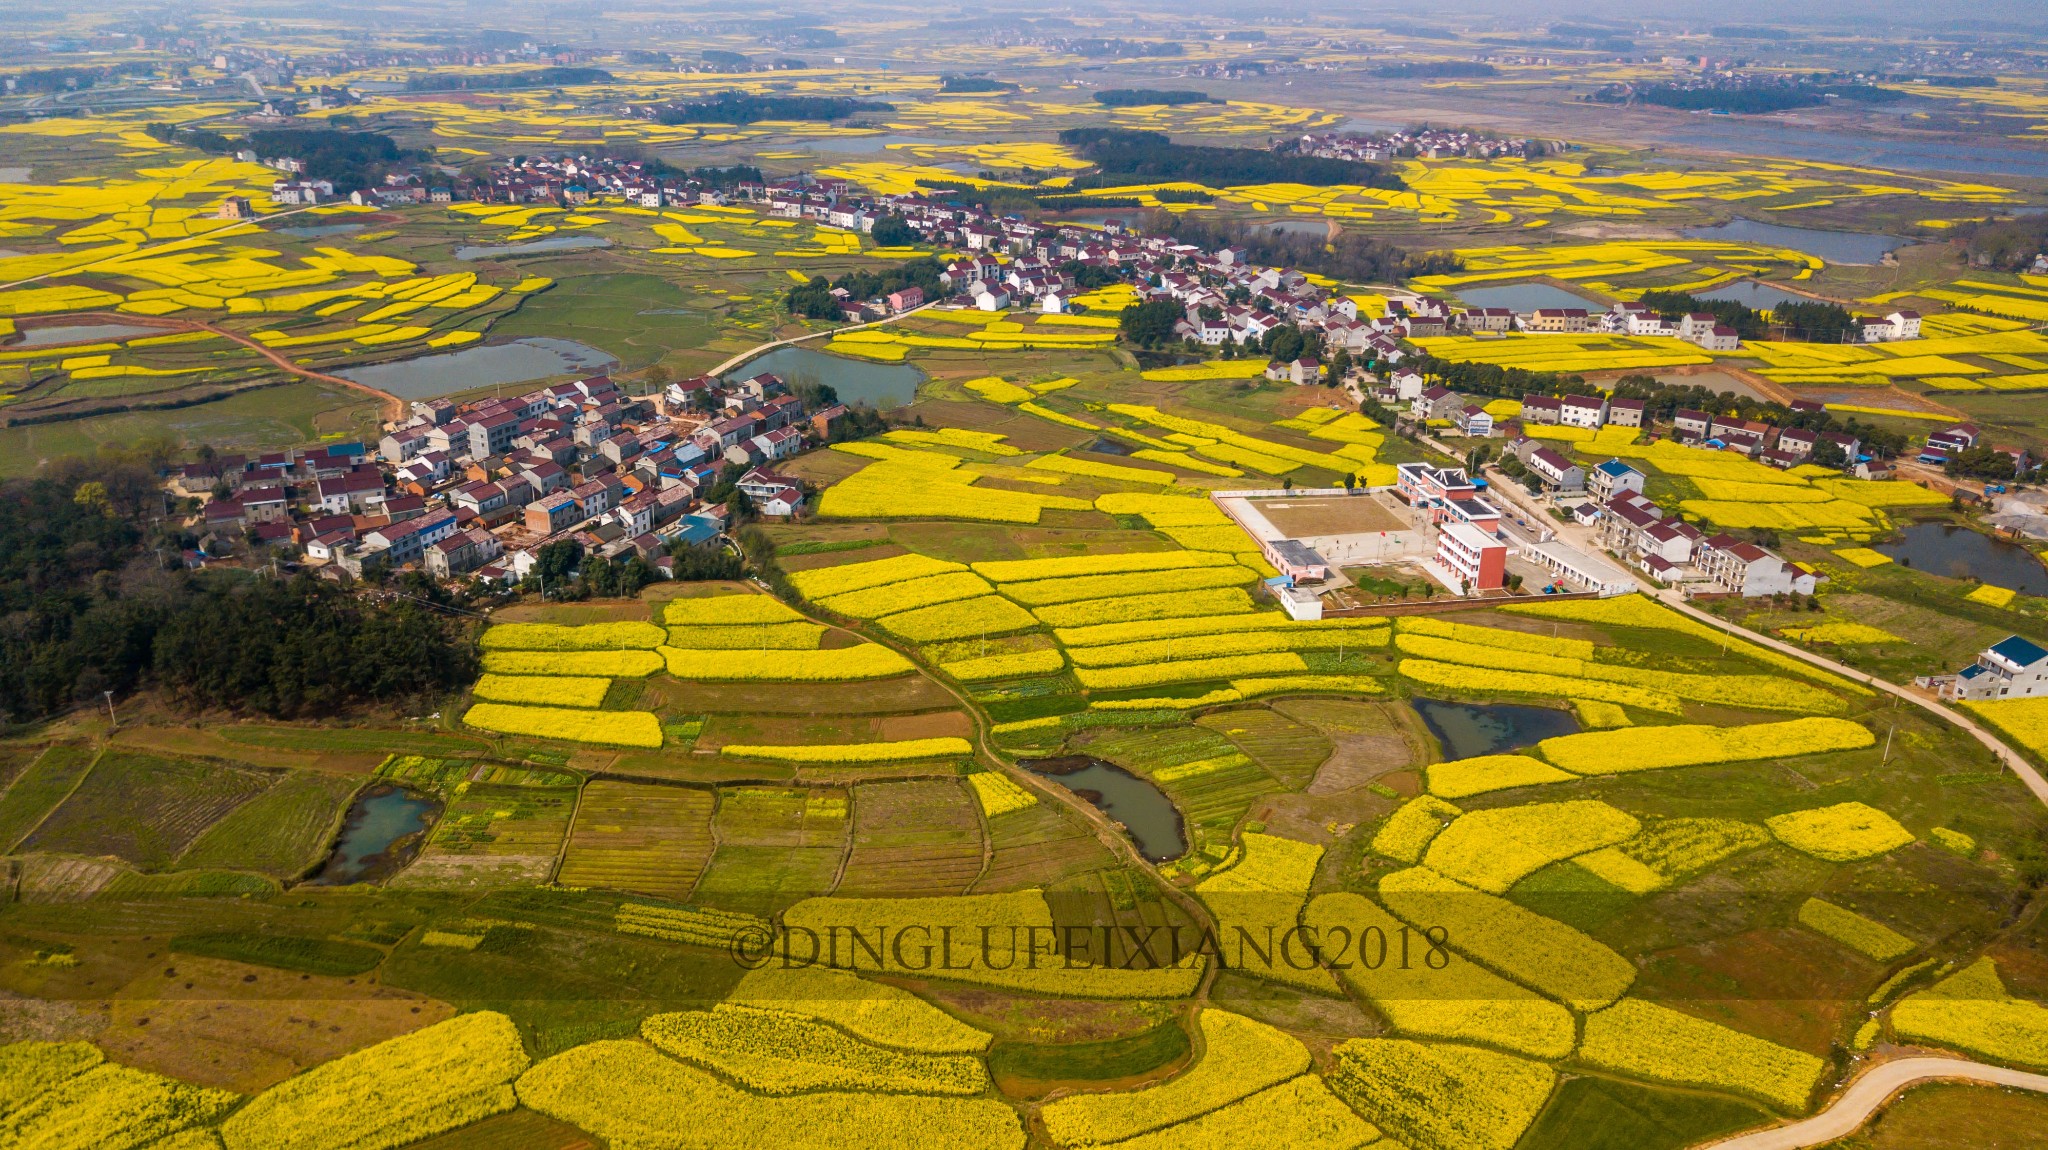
(893, 231)
(1287, 484)
(1350, 482)
(1149, 323)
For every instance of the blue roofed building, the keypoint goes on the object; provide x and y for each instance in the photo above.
(2012, 668)
(1612, 478)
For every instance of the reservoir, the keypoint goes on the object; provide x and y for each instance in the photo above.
(530, 248)
(521, 361)
(1468, 730)
(1960, 553)
(1142, 809)
(858, 382)
(1834, 247)
(1753, 295)
(84, 333)
(1523, 298)
(386, 827)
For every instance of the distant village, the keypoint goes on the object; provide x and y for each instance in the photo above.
(475, 491)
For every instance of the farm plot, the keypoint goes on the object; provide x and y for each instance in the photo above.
(1290, 750)
(635, 837)
(777, 846)
(912, 838)
(494, 834)
(144, 808)
(1040, 846)
(280, 832)
(40, 787)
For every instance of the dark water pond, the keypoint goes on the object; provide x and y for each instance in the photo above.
(1753, 295)
(386, 828)
(1467, 730)
(83, 333)
(1750, 136)
(521, 361)
(858, 381)
(1525, 297)
(1143, 810)
(532, 247)
(1960, 553)
(317, 231)
(1834, 247)
(1108, 446)
(1313, 226)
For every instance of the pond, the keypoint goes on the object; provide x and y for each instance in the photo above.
(83, 333)
(1834, 247)
(1755, 296)
(1960, 553)
(1316, 226)
(1467, 730)
(1521, 298)
(1143, 810)
(531, 247)
(521, 361)
(315, 231)
(385, 829)
(1129, 217)
(878, 385)
(1108, 446)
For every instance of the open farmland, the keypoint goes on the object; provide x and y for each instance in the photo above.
(520, 843)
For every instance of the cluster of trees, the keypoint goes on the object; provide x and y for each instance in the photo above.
(737, 107)
(1744, 95)
(1129, 155)
(43, 80)
(552, 77)
(1982, 463)
(2008, 245)
(1747, 322)
(93, 598)
(959, 84)
(350, 159)
(561, 570)
(1813, 320)
(1352, 256)
(814, 300)
(1144, 97)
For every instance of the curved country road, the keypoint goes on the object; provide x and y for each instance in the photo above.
(2028, 776)
(764, 348)
(1869, 1093)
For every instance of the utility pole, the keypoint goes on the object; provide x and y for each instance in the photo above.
(1888, 745)
(112, 724)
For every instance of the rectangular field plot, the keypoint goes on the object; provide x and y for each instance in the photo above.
(1039, 846)
(781, 817)
(763, 880)
(494, 834)
(912, 838)
(1329, 515)
(280, 832)
(635, 837)
(143, 808)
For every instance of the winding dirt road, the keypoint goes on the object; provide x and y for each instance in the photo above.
(1869, 1093)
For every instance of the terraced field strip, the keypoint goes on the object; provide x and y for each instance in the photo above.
(636, 837)
(913, 838)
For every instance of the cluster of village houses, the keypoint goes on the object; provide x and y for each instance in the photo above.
(481, 488)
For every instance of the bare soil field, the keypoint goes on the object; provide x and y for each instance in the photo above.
(1330, 515)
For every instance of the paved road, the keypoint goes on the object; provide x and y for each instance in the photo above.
(771, 345)
(2011, 758)
(1871, 1090)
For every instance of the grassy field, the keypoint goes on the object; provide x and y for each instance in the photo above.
(39, 787)
(640, 318)
(143, 808)
(287, 415)
(280, 832)
(645, 839)
(912, 838)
